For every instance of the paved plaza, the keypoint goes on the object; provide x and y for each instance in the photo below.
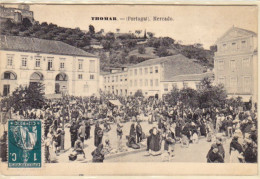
(194, 153)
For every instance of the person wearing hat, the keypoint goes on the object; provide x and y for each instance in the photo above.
(73, 133)
(214, 156)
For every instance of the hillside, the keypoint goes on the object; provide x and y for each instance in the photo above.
(114, 49)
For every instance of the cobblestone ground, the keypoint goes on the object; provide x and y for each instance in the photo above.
(194, 153)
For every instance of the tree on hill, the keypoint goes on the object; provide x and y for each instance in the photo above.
(138, 32)
(141, 50)
(26, 23)
(150, 34)
(91, 29)
(163, 52)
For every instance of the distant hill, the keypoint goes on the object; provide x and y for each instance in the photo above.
(114, 49)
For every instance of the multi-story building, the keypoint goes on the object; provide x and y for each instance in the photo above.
(59, 66)
(150, 75)
(236, 63)
(192, 81)
(116, 81)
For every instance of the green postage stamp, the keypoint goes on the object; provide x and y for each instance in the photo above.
(24, 141)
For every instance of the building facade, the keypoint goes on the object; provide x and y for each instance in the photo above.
(192, 81)
(236, 64)
(17, 14)
(116, 82)
(150, 76)
(60, 67)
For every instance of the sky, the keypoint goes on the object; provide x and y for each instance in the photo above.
(191, 24)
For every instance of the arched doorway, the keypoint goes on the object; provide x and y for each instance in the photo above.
(9, 82)
(61, 83)
(36, 77)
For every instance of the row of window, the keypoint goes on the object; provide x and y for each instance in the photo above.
(91, 77)
(115, 91)
(38, 61)
(152, 82)
(233, 64)
(234, 82)
(234, 45)
(140, 71)
(185, 85)
(115, 79)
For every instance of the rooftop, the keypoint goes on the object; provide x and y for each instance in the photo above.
(160, 60)
(28, 44)
(190, 77)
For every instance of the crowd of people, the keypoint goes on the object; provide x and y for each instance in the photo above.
(170, 125)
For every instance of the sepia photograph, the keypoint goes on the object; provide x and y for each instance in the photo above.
(113, 85)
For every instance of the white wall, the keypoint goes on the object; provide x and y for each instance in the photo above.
(75, 85)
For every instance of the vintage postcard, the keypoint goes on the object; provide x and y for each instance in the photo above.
(129, 89)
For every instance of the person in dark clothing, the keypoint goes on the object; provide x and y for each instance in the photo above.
(98, 154)
(73, 133)
(57, 139)
(3, 146)
(132, 138)
(139, 132)
(253, 135)
(98, 135)
(234, 144)
(186, 130)
(236, 147)
(203, 131)
(87, 129)
(149, 139)
(220, 147)
(214, 156)
(250, 153)
(155, 142)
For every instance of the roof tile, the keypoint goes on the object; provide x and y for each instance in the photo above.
(28, 44)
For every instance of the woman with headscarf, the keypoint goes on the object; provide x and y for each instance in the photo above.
(98, 135)
(132, 138)
(236, 151)
(155, 142)
(98, 154)
(214, 156)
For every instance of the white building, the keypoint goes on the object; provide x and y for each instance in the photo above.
(236, 63)
(192, 81)
(116, 81)
(59, 66)
(150, 76)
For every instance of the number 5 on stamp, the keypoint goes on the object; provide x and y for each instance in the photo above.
(24, 144)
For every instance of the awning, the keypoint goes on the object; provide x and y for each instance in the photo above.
(115, 102)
